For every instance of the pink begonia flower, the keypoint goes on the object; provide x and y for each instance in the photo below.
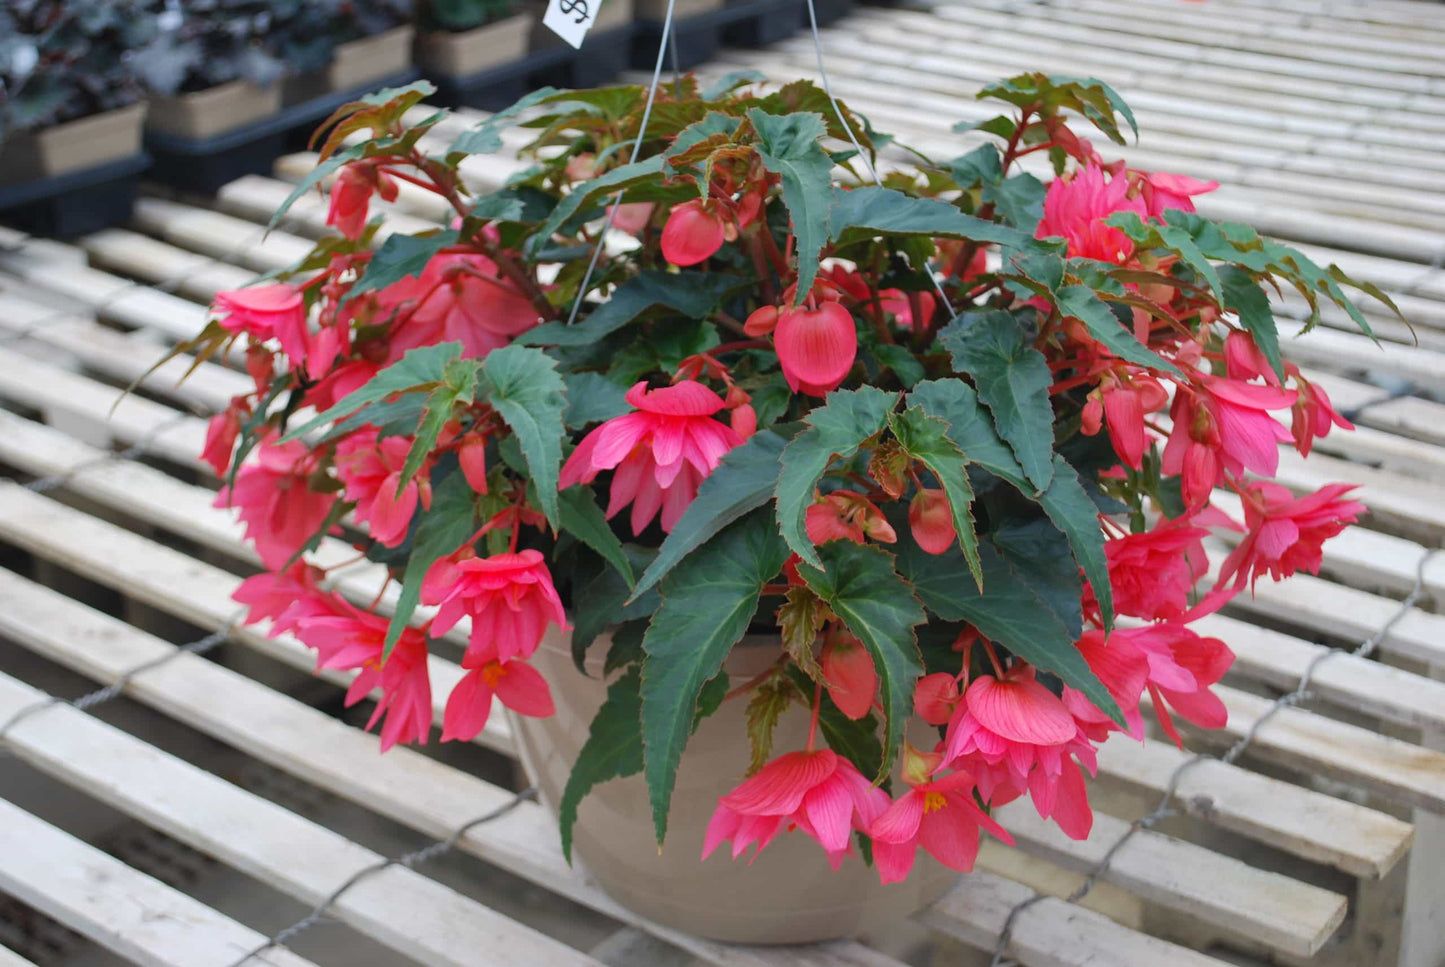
(1175, 664)
(816, 347)
(357, 641)
(515, 684)
(1153, 572)
(662, 451)
(819, 793)
(695, 230)
(509, 597)
(1075, 210)
(632, 217)
(849, 675)
(286, 597)
(930, 518)
(848, 516)
(339, 382)
(1285, 534)
(939, 815)
(1313, 415)
(351, 196)
(221, 433)
(1224, 425)
(330, 343)
(370, 467)
(1243, 360)
(263, 312)
(1162, 191)
(280, 511)
(462, 299)
(1123, 403)
(1247, 433)
(1013, 734)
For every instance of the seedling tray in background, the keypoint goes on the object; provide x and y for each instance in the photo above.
(205, 164)
(75, 203)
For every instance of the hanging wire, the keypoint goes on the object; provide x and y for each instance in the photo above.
(1165, 809)
(853, 138)
(662, 48)
(116, 688)
(406, 861)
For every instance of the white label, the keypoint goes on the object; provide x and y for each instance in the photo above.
(571, 19)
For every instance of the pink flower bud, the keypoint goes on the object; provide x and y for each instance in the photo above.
(472, 455)
(816, 347)
(693, 233)
(935, 696)
(931, 521)
(849, 675)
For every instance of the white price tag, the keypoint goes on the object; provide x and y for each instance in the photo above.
(571, 19)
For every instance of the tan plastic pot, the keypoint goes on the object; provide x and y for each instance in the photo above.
(73, 146)
(216, 110)
(356, 64)
(788, 895)
(472, 51)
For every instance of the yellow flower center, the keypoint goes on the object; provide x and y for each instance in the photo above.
(933, 802)
(492, 672)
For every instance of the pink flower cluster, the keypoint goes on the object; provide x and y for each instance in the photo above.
(1213, 420)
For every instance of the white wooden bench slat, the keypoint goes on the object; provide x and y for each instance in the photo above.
(1051, 933)
(9, 958)
(138, 306)
(398, 907)
(1272, 811)
(94, 894)
(104, 552)
(236, 240)
(1333, 190)
(1333, 124)
(1314, 744)
(1264, 906)
(1116, 36)
(121, 356)
(50, 389)
(132, 253)
(1263, 24)
(1145, 34)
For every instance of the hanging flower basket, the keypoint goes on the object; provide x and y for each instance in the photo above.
(863, 504)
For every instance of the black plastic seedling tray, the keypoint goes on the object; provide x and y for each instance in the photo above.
(605, 55)
(759, 23)
(75, 203)
(495, 88)
(828, 11)
(696, 40)
(205, 164)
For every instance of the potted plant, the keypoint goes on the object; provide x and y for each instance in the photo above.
(475, 50)
(216, 68)
(371, 43)
(71, 110)
(805, 524)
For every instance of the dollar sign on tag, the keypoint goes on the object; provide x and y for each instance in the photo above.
(571, 19)
(569, 6)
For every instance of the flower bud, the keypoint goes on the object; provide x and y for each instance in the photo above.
(931, 520)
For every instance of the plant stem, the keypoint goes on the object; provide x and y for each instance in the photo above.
(813, 723)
